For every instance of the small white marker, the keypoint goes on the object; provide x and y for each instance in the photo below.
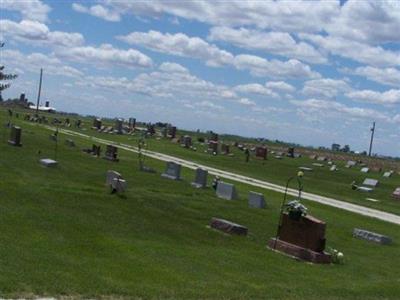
(372, 199)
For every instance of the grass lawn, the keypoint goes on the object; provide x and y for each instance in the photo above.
(63, 233)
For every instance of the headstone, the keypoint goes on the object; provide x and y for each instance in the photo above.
(318, 164)
(172, 132)
(370, 182)
(132, 123)
(307, 169)
(364, 170)
(172, 171)
(212, 147)
(396, 194)
(261, 152)
(256, 200)
(200, 180)
(303, 238)
(118, 185)
(387, 174)
(333, 168)
(111, 153)
(228, 226)
(96, 124)
(47, 162)
(350, 164)
(321, 158)
(111, 175)
(118, 126)
(186, 141)
(226, 191)
(313, 156)
(225, 149)
(365, 189)
(371, 236)
(15, 136)
(70, 143)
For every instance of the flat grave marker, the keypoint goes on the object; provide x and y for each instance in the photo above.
(371, 236)
(370, 182)
(396, 194)
(47, 162)
(364, 170)
(228, 226)
(307, 169)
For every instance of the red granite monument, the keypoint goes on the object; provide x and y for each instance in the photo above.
(302, 237)
(261, 152)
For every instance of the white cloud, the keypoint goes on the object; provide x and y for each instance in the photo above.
(279, 43)
(34, 61)
(325, 87)
(311, 107)
(32, 31)
(360, 52)
(386, 76)
(97, 11)
(386, 98)
(369, 22)
(262, 67)
(310, 16)
(255, 88)
(105, 55)
(246, 102)
(181, 45)
(280, 86)
(31, 10)
(173, 68)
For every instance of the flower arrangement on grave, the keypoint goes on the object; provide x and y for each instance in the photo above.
(295, 209)
(337, 256)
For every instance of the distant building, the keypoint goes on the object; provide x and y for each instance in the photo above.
(43, 108)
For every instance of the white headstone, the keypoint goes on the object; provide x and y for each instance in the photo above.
(256, 200)
(200, 180)
(306, 169)
(387, 174)
(226, 191)
(364, 189)
(351, 163)
(365, 170)
(333, 168)
(172, 171)
(370, 182)
(318, 164)
(47, 162)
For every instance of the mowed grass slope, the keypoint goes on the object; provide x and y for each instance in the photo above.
(63, 233)
(321, 181)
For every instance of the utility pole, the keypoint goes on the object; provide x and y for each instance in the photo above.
(40, 88)
(372, 138)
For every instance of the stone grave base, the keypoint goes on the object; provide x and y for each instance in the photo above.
(300, 252)
(111, 158)
(47, 162)
(165, 175)
(12, 143)
(197, 185)
(147, 169)
(228, 227)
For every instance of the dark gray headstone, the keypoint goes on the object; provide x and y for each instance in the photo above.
(111, 175)
(256, 200)
(371, 236)
(15, 136)
(119, 185)
(172, 171)
(226, 191)
(228, 226)
(200, 180)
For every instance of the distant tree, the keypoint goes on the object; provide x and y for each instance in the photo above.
(346, 148)
(4, 76)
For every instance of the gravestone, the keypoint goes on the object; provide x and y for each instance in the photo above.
(111, 153)
(228, 226)
(365, 170)
(261, 152)
(226, 191)
(370, 182)
(111, 175)
(200, 180)
(387, 174)
(225, 149)
(172, 171)
(396, 194)
(303, 238)
(371, 236)
(132, 123)
(321, 158)
(212, 147)
(351, 163)
(290, 152)
(15, 136)
(318, 164)
(186, 141)
(172, 132)
(307, 169)
(256, 200)
(96, 124)
(118, 126)
(333, 168)
(47, 162)
(118, 185)
(313, 156)
(364, 189)
(69, 143)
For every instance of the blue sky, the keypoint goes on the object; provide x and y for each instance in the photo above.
(314, 72)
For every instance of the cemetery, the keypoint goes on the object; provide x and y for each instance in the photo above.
(102, 227)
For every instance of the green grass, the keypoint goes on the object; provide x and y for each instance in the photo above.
(62, 233)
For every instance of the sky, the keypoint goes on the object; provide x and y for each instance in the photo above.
(309, 72)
